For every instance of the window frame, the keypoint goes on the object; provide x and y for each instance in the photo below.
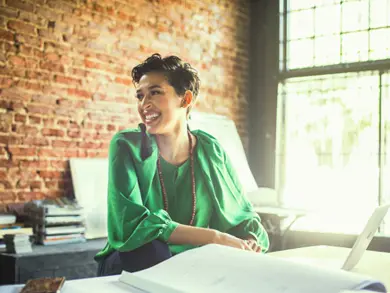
(382, 66)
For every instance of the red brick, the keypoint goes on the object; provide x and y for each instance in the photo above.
(22, 27)
(39, 109)
(32, 18)
(5, 184)
(38, 75)
(30, 195)
(36, 141)
(25, 129)
(51, 66)
(29, 85)
(5, 104)
(22, 151)
(52, 56)
(48, 13)
(50, 174)
(31, 63)
(51, 184)
(50, 35)
(63, 144)
(125, 81)
(60, 6)
(50, 153)
(35, 185)
(111, 127)
(71, 153)
(26, 50)
(53, 132)
(67, 80)
(7, 196)
(8, 12)
(48, 122)
(20, 5)
(34, 120)
(74, 133)
(43, 99)
(88, 145)
(20, 118)
(4, 139)
(41, 164)
(5, 122)
(90, 64)
(79, 72)
(3, 175)
(32, 41)
(80, 93)
(60, 164)
(5, 82)
(17, 61)
(6, 35)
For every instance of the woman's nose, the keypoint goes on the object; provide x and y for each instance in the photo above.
(145, 103)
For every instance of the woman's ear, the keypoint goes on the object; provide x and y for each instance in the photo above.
(187, 99)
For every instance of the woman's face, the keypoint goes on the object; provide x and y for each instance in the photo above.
(159, 107)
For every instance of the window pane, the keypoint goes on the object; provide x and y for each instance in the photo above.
(363, 28)
(380, 44)
(379, 13)
(386, 146)
(354, 47)
(331, 146)
(355, 16)
(322, 24)
(300, 54)
(327, 50)
(300, 4)
(300, 24)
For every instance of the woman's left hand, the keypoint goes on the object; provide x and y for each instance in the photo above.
(252, 243)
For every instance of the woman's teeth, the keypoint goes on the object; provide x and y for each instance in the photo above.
(151, 117)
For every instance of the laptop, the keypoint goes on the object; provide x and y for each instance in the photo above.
(365, 237)
(349, 260)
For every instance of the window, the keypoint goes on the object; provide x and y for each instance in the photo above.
(334, 111)
(333, 32)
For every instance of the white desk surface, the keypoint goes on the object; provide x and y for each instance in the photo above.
(89, 285)
(279, 211)
(374, 264)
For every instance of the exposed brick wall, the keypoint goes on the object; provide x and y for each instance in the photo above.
(65, 84)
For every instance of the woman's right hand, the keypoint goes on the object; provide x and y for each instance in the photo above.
(232, 241)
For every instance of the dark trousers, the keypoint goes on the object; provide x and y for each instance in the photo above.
(138, 259)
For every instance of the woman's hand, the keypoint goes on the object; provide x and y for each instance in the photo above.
(232, 241)
(252, 243)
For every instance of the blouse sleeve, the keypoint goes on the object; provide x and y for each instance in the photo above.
(130, 223)
(233, 212)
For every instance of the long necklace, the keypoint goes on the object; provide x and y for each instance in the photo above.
(164, 192)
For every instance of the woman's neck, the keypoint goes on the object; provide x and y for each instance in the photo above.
(174, 146)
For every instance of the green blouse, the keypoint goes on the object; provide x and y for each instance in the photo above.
(136, 212)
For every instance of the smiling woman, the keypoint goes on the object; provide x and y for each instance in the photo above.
(171, 189)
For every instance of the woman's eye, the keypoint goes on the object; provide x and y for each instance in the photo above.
(155, 92)
(138, 97)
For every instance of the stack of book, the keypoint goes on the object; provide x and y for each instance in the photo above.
(56, 222)
(17, 243)
(9, 226)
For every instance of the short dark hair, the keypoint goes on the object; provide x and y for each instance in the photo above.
(180, 75)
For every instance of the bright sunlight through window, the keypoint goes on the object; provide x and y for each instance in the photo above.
(334, 128)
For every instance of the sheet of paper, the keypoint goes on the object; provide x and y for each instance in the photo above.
(90, 181)
(225, 131)
(215, 268)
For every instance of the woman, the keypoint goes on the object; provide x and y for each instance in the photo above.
(171, 189)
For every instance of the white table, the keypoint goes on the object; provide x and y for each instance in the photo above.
(89, 285)
(374, 264)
